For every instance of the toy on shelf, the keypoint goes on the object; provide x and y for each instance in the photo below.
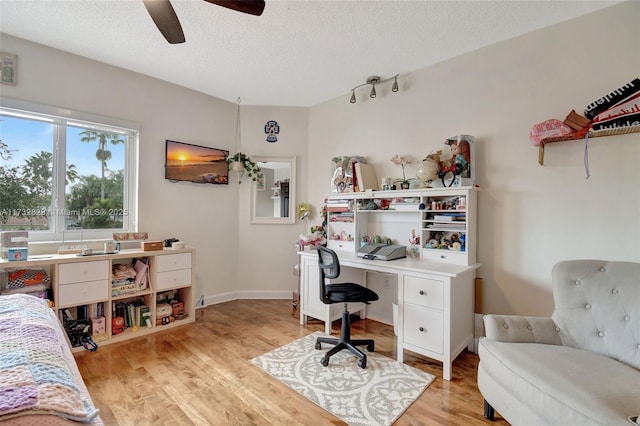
(117, 325)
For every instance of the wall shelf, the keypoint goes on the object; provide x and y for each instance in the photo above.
(594, 134)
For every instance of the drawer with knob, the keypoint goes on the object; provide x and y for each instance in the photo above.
(83, 293)
(423, 328)
(445, 256)
(69, 273)
(80, 283)
(423, 292)
(173, 279)
(172, 262)
(342, 245)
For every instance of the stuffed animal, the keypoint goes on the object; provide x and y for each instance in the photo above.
(117, 325)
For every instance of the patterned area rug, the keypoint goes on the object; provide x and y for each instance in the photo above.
(377, 395)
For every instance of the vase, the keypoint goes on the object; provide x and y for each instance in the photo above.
(404, 185)
(237, 166)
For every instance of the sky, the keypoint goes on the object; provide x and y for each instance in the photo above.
(182, 153)
(27, 137)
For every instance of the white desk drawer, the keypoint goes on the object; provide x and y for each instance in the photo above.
(341, 245)
(70, 273)
(83, 293)
(445, 256)
(173, 279)
(423, 328)
(171, 262)
(424, 292)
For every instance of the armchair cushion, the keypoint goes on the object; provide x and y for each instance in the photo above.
(562, 385)
(597, 307)
(517, 329)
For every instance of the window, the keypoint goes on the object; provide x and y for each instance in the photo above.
(66, 175)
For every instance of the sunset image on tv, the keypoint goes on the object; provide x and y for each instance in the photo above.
(193, 163)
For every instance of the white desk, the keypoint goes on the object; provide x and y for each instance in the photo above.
(435, 302)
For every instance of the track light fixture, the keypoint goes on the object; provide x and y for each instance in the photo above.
(372, 81)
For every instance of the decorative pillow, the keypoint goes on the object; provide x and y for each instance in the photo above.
(548, 129)
(24, 277)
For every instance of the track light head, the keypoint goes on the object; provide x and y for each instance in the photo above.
(372, 81)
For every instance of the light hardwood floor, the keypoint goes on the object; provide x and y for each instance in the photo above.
(200, 374)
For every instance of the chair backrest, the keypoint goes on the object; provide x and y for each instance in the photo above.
(329, 267)
(597, 307)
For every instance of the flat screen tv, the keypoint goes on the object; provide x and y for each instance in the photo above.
(194, 163)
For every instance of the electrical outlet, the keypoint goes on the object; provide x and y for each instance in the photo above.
(200, 301)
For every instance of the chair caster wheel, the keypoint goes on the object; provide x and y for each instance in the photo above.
(324, 361)
(318, 345)
(370, 347)
(362, 363)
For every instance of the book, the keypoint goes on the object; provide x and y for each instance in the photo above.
(143, 316)
(339, 203)
(404, 207)
(449, 217)
(366, 175)
(334, 209)
(447, 227)
(142, 275)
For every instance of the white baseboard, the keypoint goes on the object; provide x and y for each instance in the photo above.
(236, 295)
(264, 294)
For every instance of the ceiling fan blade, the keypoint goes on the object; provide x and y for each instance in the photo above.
(252, 7)
(165, 19)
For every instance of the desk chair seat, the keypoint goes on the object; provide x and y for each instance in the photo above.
(329, 266)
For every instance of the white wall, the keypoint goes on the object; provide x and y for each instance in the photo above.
(234, 258)
(529, 216)
(204, 216)
(266, 252)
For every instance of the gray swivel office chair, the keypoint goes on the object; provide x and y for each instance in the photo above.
(329, 266)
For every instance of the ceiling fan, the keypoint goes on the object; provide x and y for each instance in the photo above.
(167, 21)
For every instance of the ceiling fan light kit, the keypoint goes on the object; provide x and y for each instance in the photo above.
(372, 81)
(165, 18)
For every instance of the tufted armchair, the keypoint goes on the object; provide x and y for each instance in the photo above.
(579, 367)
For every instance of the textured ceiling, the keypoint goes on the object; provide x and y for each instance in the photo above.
(298, 53)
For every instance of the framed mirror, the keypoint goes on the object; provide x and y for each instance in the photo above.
(273, 196)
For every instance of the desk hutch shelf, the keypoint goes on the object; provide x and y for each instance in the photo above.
(595, 134)
(445, 225)
(434, 283)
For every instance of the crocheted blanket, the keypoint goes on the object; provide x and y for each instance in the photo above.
(35, 377)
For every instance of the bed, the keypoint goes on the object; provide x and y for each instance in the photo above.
(39, 380)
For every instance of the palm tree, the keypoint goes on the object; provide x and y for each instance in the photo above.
(72, 174)
(38, 173)
(102, 154)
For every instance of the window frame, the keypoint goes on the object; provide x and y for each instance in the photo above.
(63, 117)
